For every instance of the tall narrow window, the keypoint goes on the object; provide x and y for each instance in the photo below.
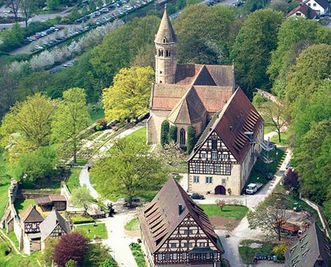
(214, 144)
(182, 137)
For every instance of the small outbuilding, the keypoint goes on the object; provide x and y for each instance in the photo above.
(47, 203)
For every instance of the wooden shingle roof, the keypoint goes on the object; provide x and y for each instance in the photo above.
(161, 216)
(31, 215)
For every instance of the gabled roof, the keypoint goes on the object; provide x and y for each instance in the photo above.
(304, 9)
(161, 217)
(189, 110)
(50, 222)
(50, 199)
(323, 3)
(237, 117)
(312, 248)
(165, 30)
(31, 215)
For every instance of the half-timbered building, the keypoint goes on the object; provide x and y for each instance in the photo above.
(176, 231)
(54, 226)
(225, 153)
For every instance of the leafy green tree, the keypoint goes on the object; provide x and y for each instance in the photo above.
(53, 4)
(70, 118)
(312, 67)
(35, 165)
(47, 254)
(81, 197)
(108, 263)
(128, 170)
(27, 8)
(290, 42)
(164, 132)
(251, 52)
(253, 5)
(313, 162)
(173, 133)
(97, 255)
(128, 97)
(206, 43)
(191, 139)
(27, 126)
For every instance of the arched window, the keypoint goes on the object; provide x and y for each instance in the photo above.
(167, 53)
(182, 137)
(160, 53)
(164, 40)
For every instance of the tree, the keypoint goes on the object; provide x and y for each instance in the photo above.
(206, 43)
(27, 126)
(128, 97)
(27, 7)
(275, 115)
(128, 169)
(164, 132)
(14, 5)
(72, 246)
(251, 51)
(81, 197)
(269, 216)
(71, 263)
(53, 4)
(47, 255)
(312, 161)
(290, 42)
(35, 165)
(97, 255)
(173, 133)
(191, 139)
(312, 67)
(70, 118)
(291, 180)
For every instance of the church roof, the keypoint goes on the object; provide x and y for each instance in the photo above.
(212, 83)
(51, 221)
(237, 117)
(165, 30)
(312, 249)
(31, 215)
(167, 210)
(189, 110)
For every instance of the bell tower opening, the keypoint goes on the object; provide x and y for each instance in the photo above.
(165, 57)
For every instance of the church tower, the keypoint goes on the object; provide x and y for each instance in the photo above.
(165, 52)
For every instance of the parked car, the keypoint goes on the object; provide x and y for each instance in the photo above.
(197, 196)
(252, 188)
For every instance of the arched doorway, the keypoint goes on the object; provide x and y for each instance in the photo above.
(182, 137)
(220, 190)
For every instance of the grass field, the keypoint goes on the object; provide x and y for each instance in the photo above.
(139, 134)
(73, 180)
(4, 185)
(235, 212)
(132, 225)
(93, 231)
(22, 204)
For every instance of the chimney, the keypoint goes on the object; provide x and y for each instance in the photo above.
(180, 209)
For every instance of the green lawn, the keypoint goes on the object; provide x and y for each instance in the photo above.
(284, 138)
(235, 212)
(139, 134)
(261, 170)
(73, 180)
(132, 225)
(22, 204)
(138, 254)
(4, 185)
(268, 129)
(93, 231)
(247, 253)
(13, 238)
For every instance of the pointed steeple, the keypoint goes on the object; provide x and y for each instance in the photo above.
(166, 33)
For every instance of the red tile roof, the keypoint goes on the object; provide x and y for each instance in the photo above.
(304, 9)
(237, 117)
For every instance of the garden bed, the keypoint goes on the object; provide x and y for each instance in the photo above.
(138, 254)
(132, 225)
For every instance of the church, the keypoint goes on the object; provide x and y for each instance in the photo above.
(229, 128)
(184, 94)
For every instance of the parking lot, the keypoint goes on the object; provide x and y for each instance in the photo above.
(60, 33)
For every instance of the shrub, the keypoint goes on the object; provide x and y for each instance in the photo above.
(77, 219)
(291, 180)
(191, 139)
(279, 251)
(173, 133)
(164, 132)
(72, 246)
(101, 124)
